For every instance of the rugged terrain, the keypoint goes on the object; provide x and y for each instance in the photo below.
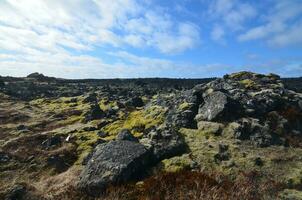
(236, 137)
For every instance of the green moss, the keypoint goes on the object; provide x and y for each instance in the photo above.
(85, 142)
(177, 163)
(209, 128)
(248, 83)
(238, 75)
(137, 121)
(105, 105)
(283, 164)
(290, 195)
(184, 106)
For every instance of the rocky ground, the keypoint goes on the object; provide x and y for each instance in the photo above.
(236, 137)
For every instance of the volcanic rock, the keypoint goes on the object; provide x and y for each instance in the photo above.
(112, 163)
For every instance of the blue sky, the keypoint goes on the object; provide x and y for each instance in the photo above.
(150, 38)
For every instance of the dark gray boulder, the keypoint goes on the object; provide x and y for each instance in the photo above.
(95, 112)
(164, 143)
(90, 98)
(261, 135)
(112, 163)
(17, 192)
(135, 102)
(51, 142)
(218, 106)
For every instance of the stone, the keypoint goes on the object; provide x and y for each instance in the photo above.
(125, 134)
(4, 158)
(258, 161)
(90, 98)
(21, 127)
(51, 142)
(135, 102)
(90, 128)
(218, 106)
(184, 119)
(164, 143)
(95, 112)
(17, 192)
(112, 163)
(102, 134)
(223, 154)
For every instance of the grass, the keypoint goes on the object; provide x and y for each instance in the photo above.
(183, 185)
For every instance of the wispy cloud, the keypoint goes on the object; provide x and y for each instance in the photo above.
(281, 27)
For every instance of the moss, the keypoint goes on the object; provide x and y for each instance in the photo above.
(283, 164)
(177, 163)
(248, 83)
(105, 105)
(238, 75)
(290, 194)
(137, 121)
(209, 128)
(184, 106)
(294, 177)
(85, 142)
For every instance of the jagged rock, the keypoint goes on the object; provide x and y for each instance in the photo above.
(135, 102)
(218, 106)
(164, 143)
(95, 112)
(21, 127)
(112, 163)
(222, 154)
(52, 141)
(90, 98)
(184, 119)
(4, 158)
(260, 135)
(90, 128)
(125, 134)
(102, 134)
(17, 192)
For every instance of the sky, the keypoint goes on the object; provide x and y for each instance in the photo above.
(150, 38)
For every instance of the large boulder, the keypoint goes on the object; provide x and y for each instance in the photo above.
(260, 134)
(164, 143)
(90, 98)
(95, 112)
(112, 163)
(218, 107)
(135, 102)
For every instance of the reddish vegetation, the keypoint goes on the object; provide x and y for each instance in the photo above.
(189, 185)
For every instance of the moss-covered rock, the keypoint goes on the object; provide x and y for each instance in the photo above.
(137, 121)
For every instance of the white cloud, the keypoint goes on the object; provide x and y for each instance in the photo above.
(278, 28)
(82, 24)
(229, 16)
(232, 13)
(217, 33)
(292, 36)
(50, 35)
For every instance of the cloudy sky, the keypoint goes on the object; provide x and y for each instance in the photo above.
(150, 38)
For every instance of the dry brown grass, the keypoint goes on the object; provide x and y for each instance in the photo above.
(186, 185)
